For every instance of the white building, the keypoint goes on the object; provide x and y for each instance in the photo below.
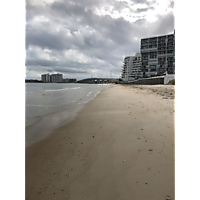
(53, 78)
(126, 68)
(136, 69)
(45, 78)
(131, 68)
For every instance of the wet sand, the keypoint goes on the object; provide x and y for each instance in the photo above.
(120, 146)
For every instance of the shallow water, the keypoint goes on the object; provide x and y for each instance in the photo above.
(51, 105)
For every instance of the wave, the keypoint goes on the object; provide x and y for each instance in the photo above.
(62, 89)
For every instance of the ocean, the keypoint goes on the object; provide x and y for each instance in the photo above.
(49, 105)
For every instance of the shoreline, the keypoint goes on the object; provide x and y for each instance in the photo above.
(45, 125)
(120, 145)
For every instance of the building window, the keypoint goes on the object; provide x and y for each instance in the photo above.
(170, 51)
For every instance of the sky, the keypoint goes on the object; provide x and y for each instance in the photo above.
(90, 38)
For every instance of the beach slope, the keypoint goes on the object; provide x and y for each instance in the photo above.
(119, 147)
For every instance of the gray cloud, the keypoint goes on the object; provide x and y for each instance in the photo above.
(171, 4)
(71, 38)
(165, 24)
(139, 10)
(140, 21)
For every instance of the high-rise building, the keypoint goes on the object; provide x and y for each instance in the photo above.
(158, 55)
(56, 78)
(136, 68)
(131, 68)
(45, 78)
(126, 68)
(53, 78)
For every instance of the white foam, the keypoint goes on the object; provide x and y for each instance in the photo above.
(89, 94)
(75, 88)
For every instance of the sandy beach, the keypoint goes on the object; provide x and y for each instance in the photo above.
(120, 146)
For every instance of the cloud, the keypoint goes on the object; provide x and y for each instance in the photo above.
(139, 10)
(164, 24)
(140, 21)
(80, 37)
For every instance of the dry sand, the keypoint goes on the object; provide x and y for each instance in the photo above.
(119, 147)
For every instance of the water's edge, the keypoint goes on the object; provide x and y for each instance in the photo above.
(47, 124)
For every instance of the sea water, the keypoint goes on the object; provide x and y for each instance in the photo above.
(49, 105)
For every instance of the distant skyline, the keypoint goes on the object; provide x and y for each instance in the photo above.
(90, 38)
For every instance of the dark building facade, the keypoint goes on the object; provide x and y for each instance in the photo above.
(158, 55)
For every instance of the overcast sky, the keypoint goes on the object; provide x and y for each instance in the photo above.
(90, 38)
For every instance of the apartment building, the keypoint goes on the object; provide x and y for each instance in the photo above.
(136, 69)
(45, 78)
(158, 55)
(56, 78)
(126, 68)
(53, 78)
(131, 68)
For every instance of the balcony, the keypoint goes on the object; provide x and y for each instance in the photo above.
(162, 38)
(144, 41)
(170, 36)
(161, 41)
(165, 55)
(153, 39)
(144, 47)
(149, 49)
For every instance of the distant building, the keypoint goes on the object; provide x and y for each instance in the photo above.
(45, 78)
(158, 55)
(69, 80)
(126, 68)
(66, 80)
(56, 78)
(131, 68)
(72, 80)
(33, 81)
(136, 69)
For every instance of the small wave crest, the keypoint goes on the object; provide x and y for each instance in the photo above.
(75, 88)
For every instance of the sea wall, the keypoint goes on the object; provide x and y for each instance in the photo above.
(149, 81)
(168, 78)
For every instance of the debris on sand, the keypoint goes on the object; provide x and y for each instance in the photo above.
(150, 149)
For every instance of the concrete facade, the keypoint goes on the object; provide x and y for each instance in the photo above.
(131, 68)
(53, 78)
(148, 81)
(45, 78)
(158, 55)
(126, 68)
(168, 78)
(56, 78)
(136, 68)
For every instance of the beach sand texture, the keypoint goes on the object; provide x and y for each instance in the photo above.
(119, 147)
